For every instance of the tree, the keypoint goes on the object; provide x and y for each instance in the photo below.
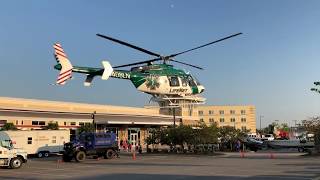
(312, 125)
(229, 135)
(86, 128)
(153, 138)
(52, 126)
(8, 126)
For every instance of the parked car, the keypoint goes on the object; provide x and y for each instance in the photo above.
(253, 144)
(267, 137)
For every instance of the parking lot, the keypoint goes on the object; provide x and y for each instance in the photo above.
(163, 166)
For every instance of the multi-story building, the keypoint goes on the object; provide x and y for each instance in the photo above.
(240, 117)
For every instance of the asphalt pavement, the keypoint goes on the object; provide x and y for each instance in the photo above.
(252, 165)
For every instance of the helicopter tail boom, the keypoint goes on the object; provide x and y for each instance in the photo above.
(66, 67)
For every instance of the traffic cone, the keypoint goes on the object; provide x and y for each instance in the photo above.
(58, 162)
(241, 154)
(134, 155)
(271, 156)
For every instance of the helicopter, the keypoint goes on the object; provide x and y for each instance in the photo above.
(166, 84)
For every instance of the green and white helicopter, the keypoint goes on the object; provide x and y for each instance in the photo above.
(168, 86)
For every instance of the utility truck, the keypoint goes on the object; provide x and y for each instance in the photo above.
(38, 142)
(10, 156)
(97, 144)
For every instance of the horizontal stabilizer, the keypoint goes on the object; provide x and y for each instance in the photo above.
(88, 80)
(107, 70)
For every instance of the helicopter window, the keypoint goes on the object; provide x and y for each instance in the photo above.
(197, 81)
(174, 81)
(184, 81)
(191, 81)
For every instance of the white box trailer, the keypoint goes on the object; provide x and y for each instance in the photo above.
(39, 142)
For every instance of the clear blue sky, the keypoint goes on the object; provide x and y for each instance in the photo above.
(272, 65)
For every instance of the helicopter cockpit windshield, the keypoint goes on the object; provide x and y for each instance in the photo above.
(197, 81)
(191, 81)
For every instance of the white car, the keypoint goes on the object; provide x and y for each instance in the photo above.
(267, 137)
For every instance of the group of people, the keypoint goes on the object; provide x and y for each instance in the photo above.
(128, 146)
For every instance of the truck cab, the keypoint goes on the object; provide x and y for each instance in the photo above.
(98, 144)
(11, 157)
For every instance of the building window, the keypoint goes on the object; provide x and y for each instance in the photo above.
(29, 140)
(73, 123)
(65, 123)
(201, 119)
(222, 120)
(22, 122)
(210, 112)
(211, 120)
(54, 139)
(42, 123)
(233, 120)
(35, 123)
(232, 112)
(200, 113)
(243, 112)
(81, 123)
(243, 120)
(3, 122)
(243, 128)
(17, 122)
(221, 112)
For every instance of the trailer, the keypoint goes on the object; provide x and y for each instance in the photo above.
(38, 142)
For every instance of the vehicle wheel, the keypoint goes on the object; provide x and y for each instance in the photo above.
(80, 156)
(109, 154)
(46, 154)
(66, 158)
(15, 163)
(40, 155)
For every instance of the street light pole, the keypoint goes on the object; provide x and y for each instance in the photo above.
(260, 117)
(174, 117)
(93, 120)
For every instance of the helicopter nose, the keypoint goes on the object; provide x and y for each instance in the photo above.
(201, 89)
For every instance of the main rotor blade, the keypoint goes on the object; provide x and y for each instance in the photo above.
(129, 45)
(136, 63)
(173, 55)
(186, 64)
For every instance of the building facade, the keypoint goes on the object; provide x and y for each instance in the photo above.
(129, 123)
(240, 117)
